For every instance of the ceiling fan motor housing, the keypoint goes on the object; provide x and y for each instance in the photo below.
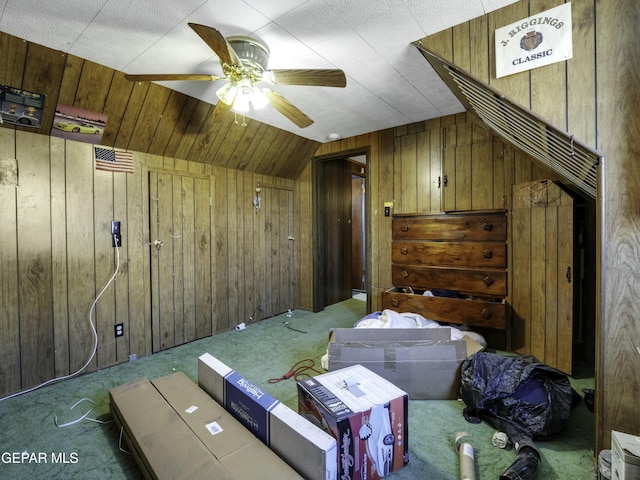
(250, 51)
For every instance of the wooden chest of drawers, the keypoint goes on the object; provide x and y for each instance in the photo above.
(463, 254)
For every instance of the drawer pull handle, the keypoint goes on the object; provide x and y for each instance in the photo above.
(488, 280)
(404, 227)
(404, 251)
(487, 226)
(395, 302)
(487, 253)
(486, 314)
(405, 274)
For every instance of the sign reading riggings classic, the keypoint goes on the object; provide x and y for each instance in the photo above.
(539, 40)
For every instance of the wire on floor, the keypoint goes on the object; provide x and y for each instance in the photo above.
(286, 324)
(83, 417)
(300, 369)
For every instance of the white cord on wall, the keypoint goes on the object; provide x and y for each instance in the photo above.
(93, 331)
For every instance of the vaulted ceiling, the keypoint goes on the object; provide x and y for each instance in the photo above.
(76, 53)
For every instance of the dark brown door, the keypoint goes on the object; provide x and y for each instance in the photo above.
(334, 230)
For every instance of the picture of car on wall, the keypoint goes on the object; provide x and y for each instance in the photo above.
(20, 107)
(19, 118)
(78, 127)
(78, 124)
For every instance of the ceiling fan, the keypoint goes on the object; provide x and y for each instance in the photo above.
(244, 64)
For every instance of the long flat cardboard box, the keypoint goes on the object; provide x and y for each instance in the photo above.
(242, 454)
(165, 446)
(178, 431)
(309, 450)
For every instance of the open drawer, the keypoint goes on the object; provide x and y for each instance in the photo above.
(476, 312)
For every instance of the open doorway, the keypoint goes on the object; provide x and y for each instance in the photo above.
(340, 250)
(358, 214)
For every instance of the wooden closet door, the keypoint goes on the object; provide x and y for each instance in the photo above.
(274, 243)
(180, 230)
(542, 294)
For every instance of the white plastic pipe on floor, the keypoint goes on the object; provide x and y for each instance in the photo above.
(466, 457)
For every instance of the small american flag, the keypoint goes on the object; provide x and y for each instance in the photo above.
(113, 161)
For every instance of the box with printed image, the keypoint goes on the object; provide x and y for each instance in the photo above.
(366, 414)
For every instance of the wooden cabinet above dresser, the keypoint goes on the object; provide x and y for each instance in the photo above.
(460, 258)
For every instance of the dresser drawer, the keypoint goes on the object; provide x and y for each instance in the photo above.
(474, 281)
(480, 254)
(478, 313)
(462, 227)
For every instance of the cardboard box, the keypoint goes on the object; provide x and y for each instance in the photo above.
(177, 431)
(308, 449)
(625, 456)
(366, 414)
(424, 362)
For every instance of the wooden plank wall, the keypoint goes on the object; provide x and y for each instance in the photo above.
(618, 103)
(480, 170)
(593, 96)
(57, 255)
(150, 118)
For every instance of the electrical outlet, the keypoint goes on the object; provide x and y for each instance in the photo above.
(118, 329)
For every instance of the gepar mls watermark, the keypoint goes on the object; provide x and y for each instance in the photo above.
(39, 457)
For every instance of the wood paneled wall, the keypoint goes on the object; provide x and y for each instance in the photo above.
(480, 170)
(149, 118)
(594, 96)
(56, 255)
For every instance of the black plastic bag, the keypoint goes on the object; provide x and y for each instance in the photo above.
(519, 390)
(520, 396)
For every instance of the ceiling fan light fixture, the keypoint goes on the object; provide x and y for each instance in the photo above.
(259, 99)
(246, 96)
(227, 93)
(241, 105)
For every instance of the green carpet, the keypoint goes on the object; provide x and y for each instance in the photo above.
(268, 349)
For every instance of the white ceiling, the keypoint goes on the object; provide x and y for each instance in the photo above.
(388, 81)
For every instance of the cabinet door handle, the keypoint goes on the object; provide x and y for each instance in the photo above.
(486, 314)
(405, 227)
(488, 280)
(487, 226)
(404, 274)
(404, 251)
(486, 253)
(395, 302)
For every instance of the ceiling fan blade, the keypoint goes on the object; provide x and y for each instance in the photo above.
(318, 77)
(217, 43)
(159, 77)
(287, 109)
